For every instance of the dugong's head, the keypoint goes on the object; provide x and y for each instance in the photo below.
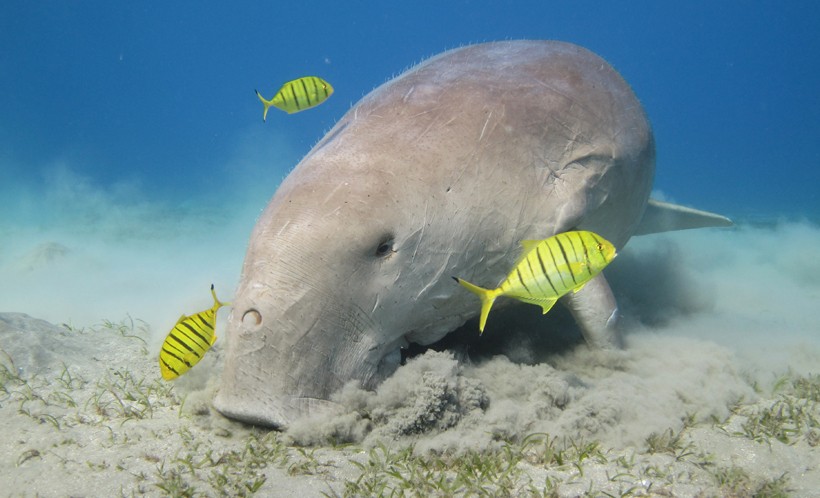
(339, 275)
(440, 172)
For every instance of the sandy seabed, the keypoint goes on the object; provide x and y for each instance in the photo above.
(717, 393)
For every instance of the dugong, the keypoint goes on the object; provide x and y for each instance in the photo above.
(440, 172)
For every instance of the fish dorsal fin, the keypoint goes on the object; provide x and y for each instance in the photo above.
(526, 247)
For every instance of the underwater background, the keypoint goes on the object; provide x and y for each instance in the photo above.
(134, 159)
(134, 162)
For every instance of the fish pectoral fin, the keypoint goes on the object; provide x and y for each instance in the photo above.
(526, 247)
(190, 359)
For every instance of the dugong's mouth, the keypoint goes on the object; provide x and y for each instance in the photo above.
(239, 400)
(386, 366)
(277, 413)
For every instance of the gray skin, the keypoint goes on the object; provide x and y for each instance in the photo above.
(440, 172)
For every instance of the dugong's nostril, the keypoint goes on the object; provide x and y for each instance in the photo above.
(251, 318)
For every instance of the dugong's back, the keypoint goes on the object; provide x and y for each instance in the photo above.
(549, 121)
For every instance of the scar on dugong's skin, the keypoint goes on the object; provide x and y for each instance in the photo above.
(441, 171)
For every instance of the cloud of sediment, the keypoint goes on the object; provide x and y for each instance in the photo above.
(707, 315)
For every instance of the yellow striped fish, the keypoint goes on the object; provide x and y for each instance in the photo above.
(547, 269)
(188, 341)
(298, 95)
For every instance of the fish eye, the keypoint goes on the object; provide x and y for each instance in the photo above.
(385, 247)
(600, 246)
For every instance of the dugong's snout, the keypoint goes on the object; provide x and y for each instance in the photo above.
(264, 382)
(281, 367)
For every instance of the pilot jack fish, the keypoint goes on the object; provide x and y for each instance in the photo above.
(548, 269)
(298, 95)
(188, 341)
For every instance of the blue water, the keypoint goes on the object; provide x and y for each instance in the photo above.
(134, 159)
(161, 95)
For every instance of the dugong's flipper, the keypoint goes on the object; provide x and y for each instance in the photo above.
(596, 312)
(594, 307)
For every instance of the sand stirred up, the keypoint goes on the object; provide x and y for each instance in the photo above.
(716, 393)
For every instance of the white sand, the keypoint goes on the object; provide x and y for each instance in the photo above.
(716, 394)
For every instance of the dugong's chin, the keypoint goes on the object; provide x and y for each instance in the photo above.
(238, 399)
(277, 413)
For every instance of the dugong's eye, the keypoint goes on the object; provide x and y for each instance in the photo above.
(385, 247)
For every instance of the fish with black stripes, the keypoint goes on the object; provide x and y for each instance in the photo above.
(188, 341)
(298, 95)
(548, 269)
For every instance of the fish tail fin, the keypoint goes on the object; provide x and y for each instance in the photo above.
(266, 103)
(217, 303)
(487, 297)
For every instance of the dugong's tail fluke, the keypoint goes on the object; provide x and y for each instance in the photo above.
(487, 299)
(664, 217)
